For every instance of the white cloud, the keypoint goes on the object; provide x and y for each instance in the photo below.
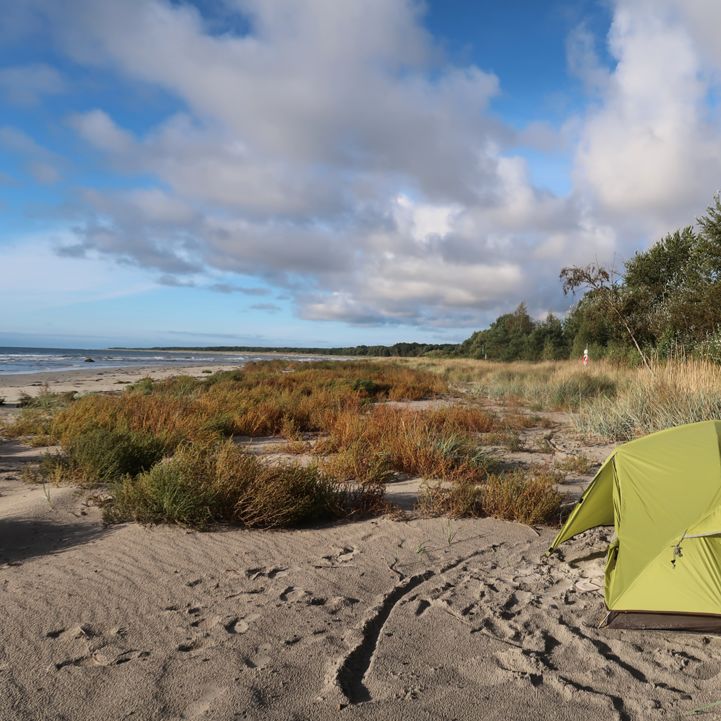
(334, 151)
(99, 129)
(649, 149)
(27, 84)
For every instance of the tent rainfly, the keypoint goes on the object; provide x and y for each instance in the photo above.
(662, 493)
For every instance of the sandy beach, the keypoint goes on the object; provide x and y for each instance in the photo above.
(395, 617)
(13, 386)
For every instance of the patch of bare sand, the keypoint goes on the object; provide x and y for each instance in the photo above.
(12, 387)
(427, 619)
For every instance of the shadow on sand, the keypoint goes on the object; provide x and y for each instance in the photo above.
(25, 538)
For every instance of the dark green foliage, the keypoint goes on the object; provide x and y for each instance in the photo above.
(516, 336)
(199, 486)
(370, 387)
(100, 455)
(400, 350)
(668, 299)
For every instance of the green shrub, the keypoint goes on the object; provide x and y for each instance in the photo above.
(166, 493)
(201, 485)
(101, 455)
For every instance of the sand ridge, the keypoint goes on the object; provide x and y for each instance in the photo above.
(427, 619)
(388, 618)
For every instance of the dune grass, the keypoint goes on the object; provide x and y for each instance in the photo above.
(547, 385)
(202, 485)
(371, 447)
(261, 399)
(172, 450)
(608, 401)
(529, 497)
(678, 392)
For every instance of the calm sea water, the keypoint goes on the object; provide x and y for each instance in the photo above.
(37, 360)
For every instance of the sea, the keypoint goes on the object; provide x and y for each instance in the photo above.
(39, 360)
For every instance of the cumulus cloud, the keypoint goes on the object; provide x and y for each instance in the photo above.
(652, 148)
(26, 85)
(364, 174)
(40, 163)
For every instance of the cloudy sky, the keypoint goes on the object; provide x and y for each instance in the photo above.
(331, 172)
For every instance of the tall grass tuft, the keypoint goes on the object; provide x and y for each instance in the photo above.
(438, 444)
(677, 393)
(516, 496)
(199, 486)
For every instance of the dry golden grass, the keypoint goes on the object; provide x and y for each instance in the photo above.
(262, 399)
(525, 496)
(677, 392)
(611, 401)
(435, 444)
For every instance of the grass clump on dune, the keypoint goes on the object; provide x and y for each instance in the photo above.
(519, 496)
(199, 486)
(373, 446)
(676, 393)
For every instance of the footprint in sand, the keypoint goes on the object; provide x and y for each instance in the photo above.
(291, 594)
(264, 572)
(260, 659)
(340, 556)
(238, 626)
(204, 705)
(93, 648)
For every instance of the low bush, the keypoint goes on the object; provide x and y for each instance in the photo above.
(199, 486)
(100, 455)
(516, 496)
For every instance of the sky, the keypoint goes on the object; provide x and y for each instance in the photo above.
(324, 173)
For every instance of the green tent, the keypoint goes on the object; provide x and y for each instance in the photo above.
(662, 493)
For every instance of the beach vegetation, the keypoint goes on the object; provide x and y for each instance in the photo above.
(202, 485)
(522, 495)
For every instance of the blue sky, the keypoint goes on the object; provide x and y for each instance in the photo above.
(310, 172)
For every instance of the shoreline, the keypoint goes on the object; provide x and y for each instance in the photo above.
(104, 380)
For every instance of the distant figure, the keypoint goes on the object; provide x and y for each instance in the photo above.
(90, 360)
(585, 356)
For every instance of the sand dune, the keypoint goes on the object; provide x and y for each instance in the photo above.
(383, 619)
(389, 618)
